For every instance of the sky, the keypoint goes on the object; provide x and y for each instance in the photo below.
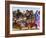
(25, 8)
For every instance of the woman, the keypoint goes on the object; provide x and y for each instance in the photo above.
(37, 18)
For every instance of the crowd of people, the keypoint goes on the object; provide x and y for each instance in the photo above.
(26, 19)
